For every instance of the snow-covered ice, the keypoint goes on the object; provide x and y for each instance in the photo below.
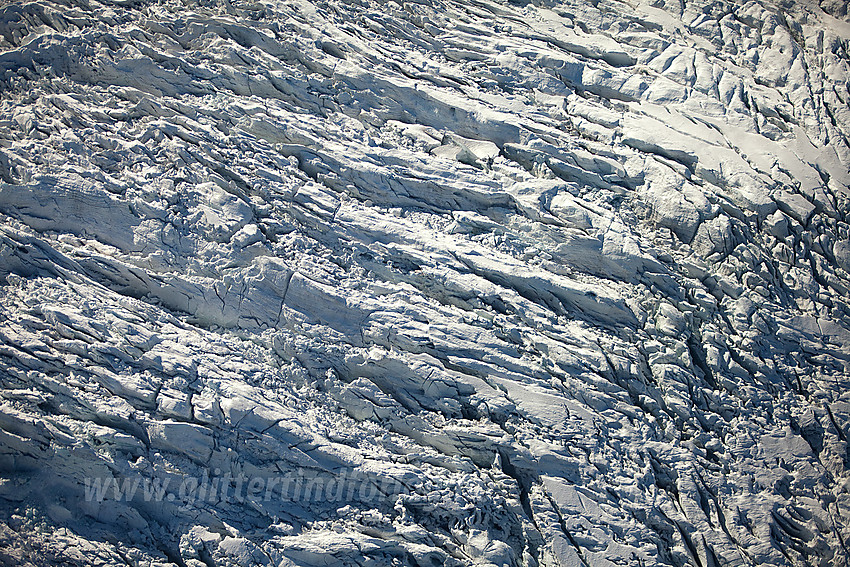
(488, 282)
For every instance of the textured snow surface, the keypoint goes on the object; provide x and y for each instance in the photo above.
(559, 282)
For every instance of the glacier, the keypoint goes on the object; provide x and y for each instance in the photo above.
(433, 282)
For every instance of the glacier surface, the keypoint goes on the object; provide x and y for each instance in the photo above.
(484, 282)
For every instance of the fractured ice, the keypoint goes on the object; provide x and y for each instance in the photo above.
(485, 282)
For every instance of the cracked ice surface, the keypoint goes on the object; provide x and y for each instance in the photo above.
(561, 283)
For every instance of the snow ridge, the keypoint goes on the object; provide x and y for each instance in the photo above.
(487, 282)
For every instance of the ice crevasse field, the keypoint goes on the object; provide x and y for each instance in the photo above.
(487, 282)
